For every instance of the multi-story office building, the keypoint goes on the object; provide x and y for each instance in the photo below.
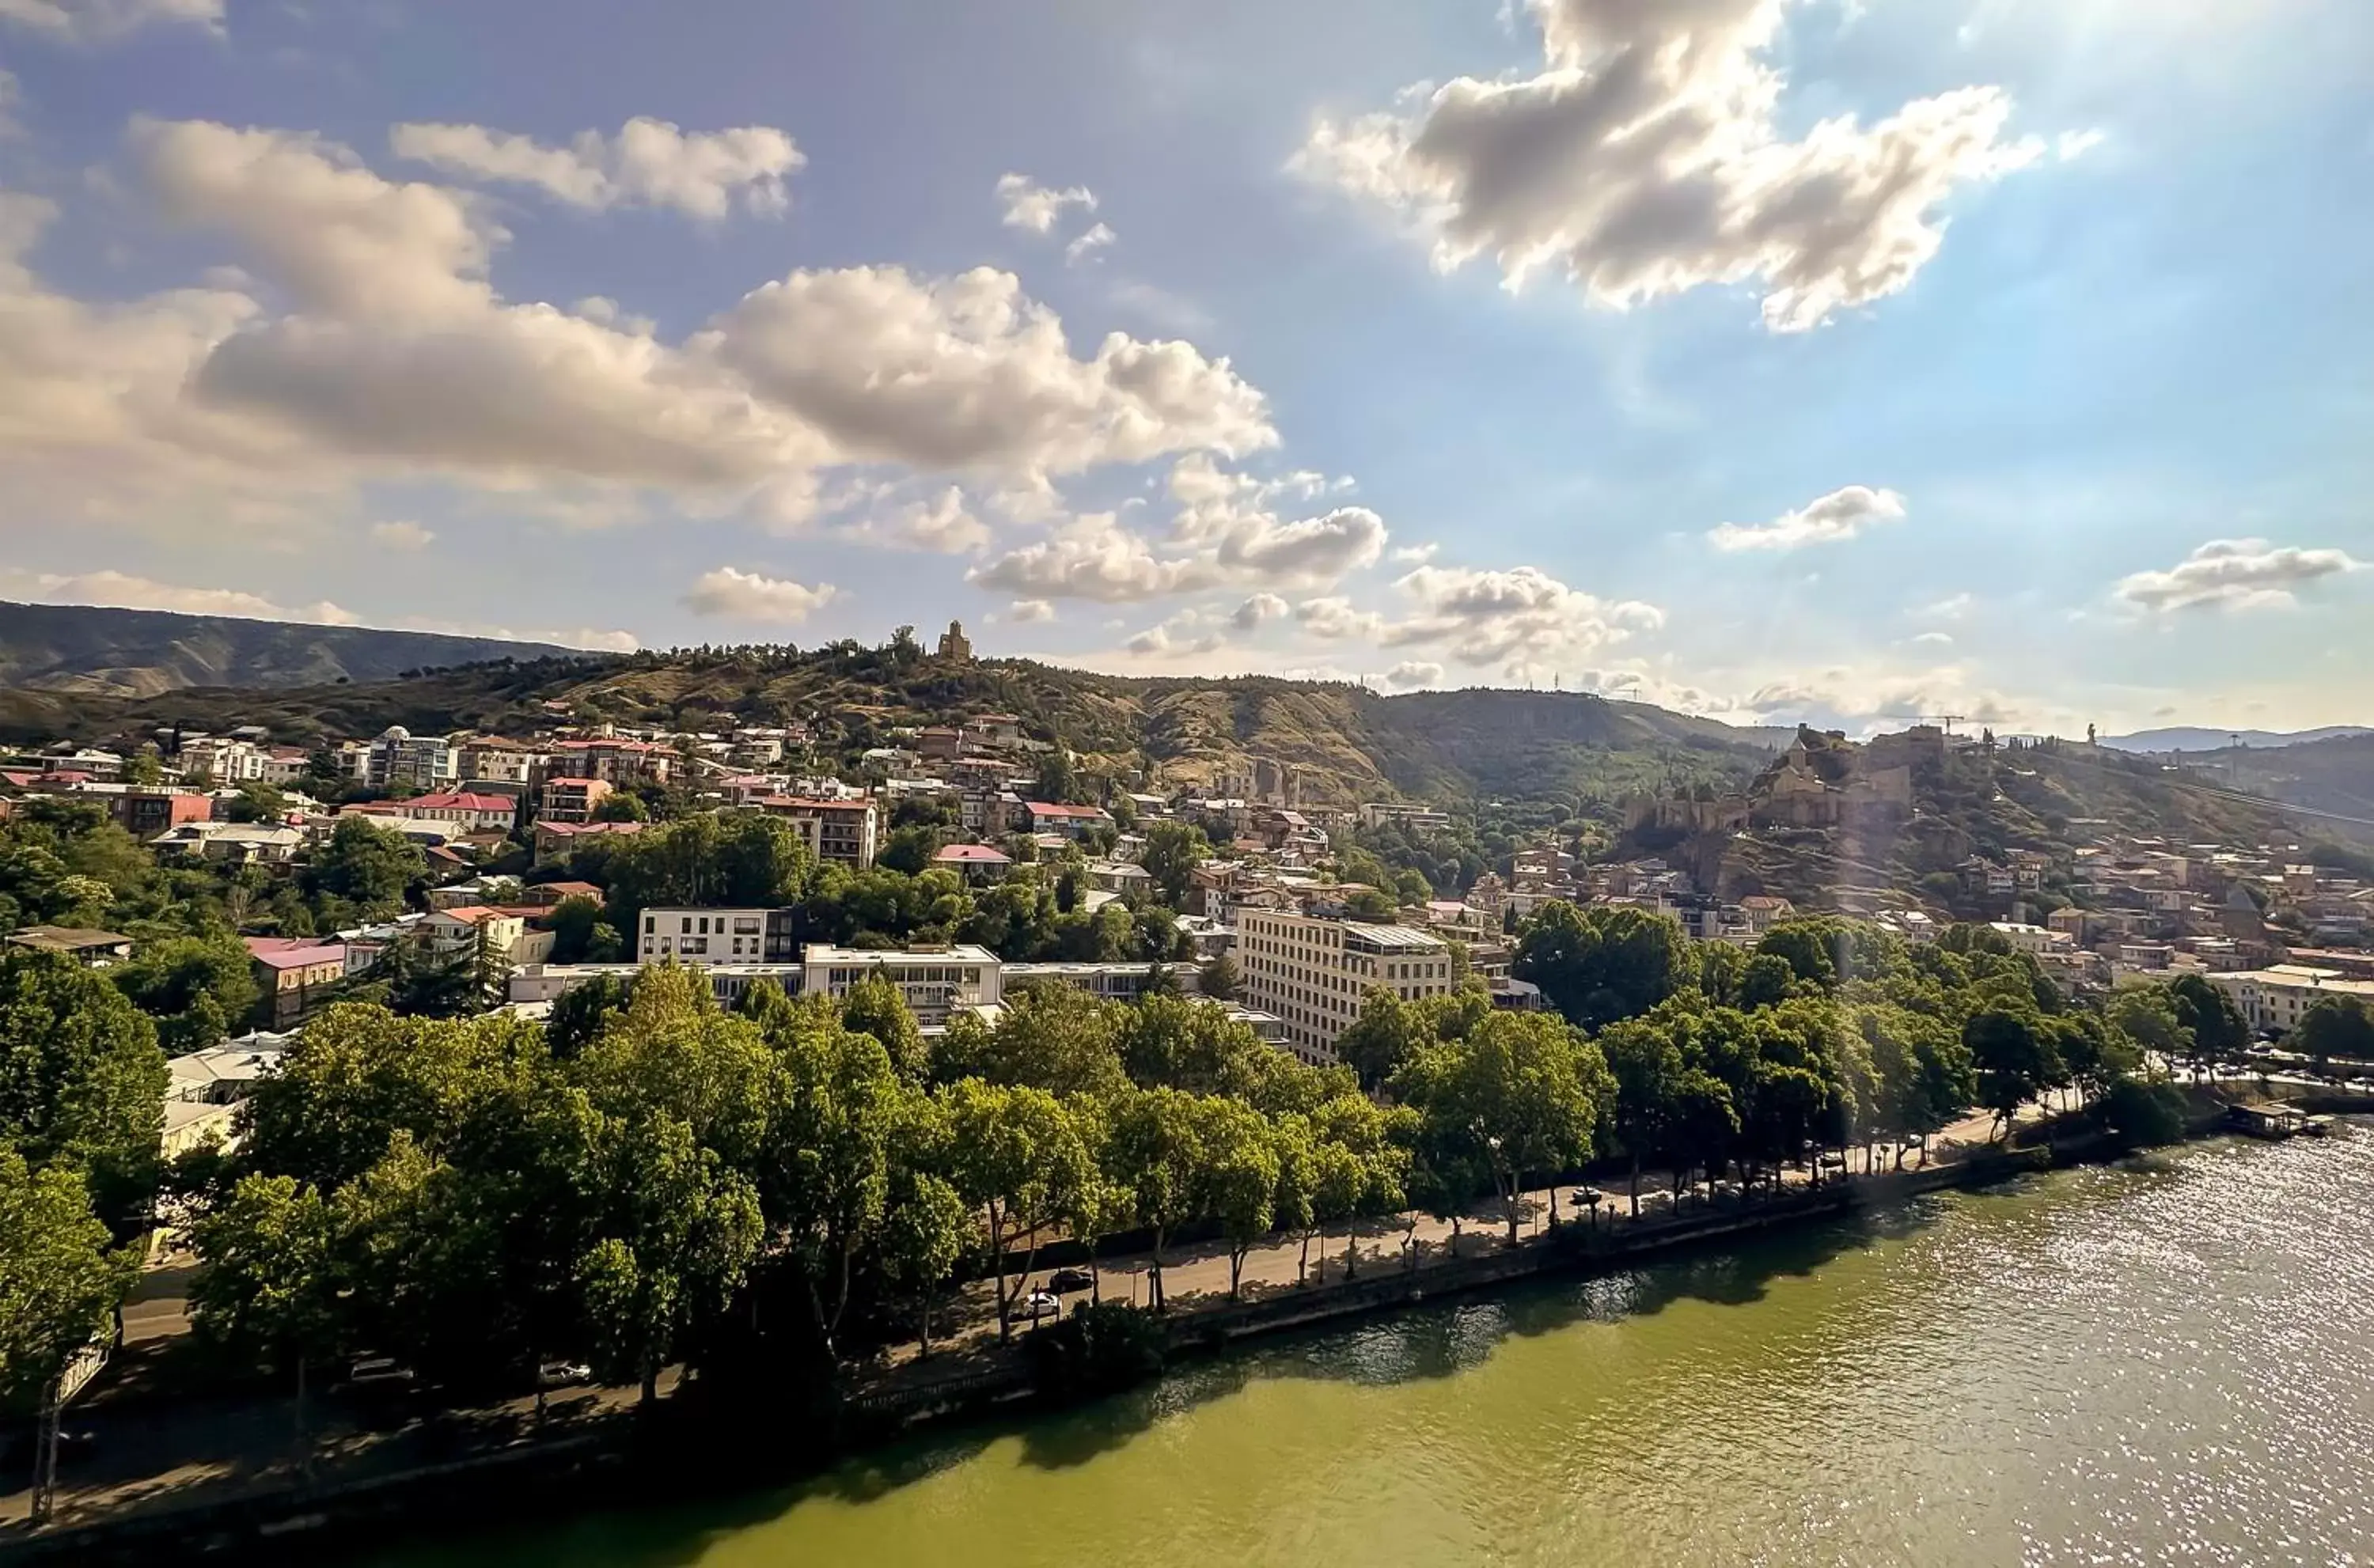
(934, 980)
(706, 938)
(1314, 972)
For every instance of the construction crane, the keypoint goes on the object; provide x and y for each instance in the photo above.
(1944, 721)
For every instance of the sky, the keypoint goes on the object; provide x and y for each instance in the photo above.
(1836, 360)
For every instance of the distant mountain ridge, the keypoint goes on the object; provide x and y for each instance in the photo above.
(2195, 738)
(92, 650)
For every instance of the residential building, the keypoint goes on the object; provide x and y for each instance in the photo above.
(296, 973)
(974, 862)
(1072, 822)
(92, 949)
(551, 895)
(1418, 821)
(1118, 876)
(146, 814)
(554, 839)
(450, 933)
(398, 756)
(224, 1074)
(2276, 998)
(1108, 982)
(845, 831)
(2040, 941)
(703, 938)
(612, 761)
(1314, 972)
(221, 758)
(285, 765)
(233, 843)
(469, 811)
(539, 984)
(571, 800)
(493, 760)
(1759, 912)
(934, 980)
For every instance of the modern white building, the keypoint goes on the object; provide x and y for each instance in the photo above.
(934, 980)
(1314, 972)
(540, 985)
(399, 756)
(2274, 999)
(707, 938)
(2041, 941)
(846, 831)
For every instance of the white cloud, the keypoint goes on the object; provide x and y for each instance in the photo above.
(2235, 574)
(1036, 207)
(1831, 520)
(1095, 558)
(1953, 607)
(401, 535)
(1334, 619)
(966, 373)
(103, 21)
(648, 163)
(943, 525)
(1522, 619)
(1183, 633)
(1258, 612)
(385, 350)
(1096, 238)
(1028, 612)
(123, 591)
(1414, 675)
(1937, 639)
(1645, 159)
(747, 596)
(2072, 145)
(1415, 554)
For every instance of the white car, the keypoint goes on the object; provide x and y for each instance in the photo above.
(1042, 1303)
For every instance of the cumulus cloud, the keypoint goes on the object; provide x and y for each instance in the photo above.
(1036, 207)
(103, 21)
(648, 163)
(966, 373)
(121, 590)
(1183, 633)
(1258, 612)
(2235, 574)
(1028, 612)
(1831, 520)
(1334, 619)
(361, 336)
(1094, 239)
(1522, 619)
(1645, 159)
(1412, 675)
(1095, 558)
(734, 594)
(943, 525)
(401, 535)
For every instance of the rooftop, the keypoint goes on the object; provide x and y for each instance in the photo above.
(68, 938)
(1395, 939)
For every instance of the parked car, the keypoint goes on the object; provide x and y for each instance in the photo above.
(1064, 1281)
(562, 1374)
(379, 1374)
(75, 1446)
(1042, 1303)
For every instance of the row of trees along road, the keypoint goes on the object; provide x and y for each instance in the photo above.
(771, 1190)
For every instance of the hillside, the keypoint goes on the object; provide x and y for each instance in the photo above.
(1351, 743)
(83, 651)
(2194, 738)
(1872, 838)
(2335, 775)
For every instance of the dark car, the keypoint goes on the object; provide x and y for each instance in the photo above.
(1064, 1281)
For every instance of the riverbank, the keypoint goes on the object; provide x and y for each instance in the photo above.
(617, 1456)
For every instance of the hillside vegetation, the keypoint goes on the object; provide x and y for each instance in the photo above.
(83, 651)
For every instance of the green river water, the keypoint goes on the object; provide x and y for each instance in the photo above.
(2170, 1361)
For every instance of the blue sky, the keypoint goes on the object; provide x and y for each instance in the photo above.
(1774, 361)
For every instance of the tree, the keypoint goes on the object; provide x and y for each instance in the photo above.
(2220, 1036)
(1155, 1153)
(1016, 1157)
(1381, 1037)
(1523, 1092)
(170, 979)
(1173, 850)
(578, 930)
(1601, 964)
(82, 1081)
(2336, 1026)
(269, 1281)
(1240, 1171)
(875, 1006)
(1218, 981)
(619, 806)
(2014, 1062)
(1053, 1037)
(2146, 1014)
(369, 866)
(926, 1224)
(60, 1274)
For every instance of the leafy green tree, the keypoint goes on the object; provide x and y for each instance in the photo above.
(2146, 1014)
(270, 1280)
(925, 1227)
(2337, 1027)
(579, 930)
(82, 1081)
(877, 1007)
(1525, 1092)
(1383, 1036)
(1173, 850)
(619, 806)
(1240, 1170)
(1156, 1154)
(1218, 981)
(2220, 1037)
(2014, 1063)
(1053, 1037)
(368, 866)
(61, 1274)
(1601, 964)
(1019, 1159)
(169, 980)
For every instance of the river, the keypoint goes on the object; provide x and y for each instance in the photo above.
(2166, 1362)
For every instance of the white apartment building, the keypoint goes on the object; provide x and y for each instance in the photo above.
(1313, 973)
(222, 758)
(2274, 999)
(536, 985)
(2041, 941)
(708, 938)
(846, 831)
(934, 980)
(398, 756)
